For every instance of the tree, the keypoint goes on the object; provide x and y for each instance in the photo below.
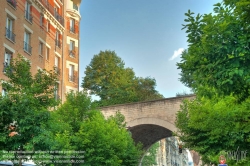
(218, 52)
(74, 127)
(149, 158)
(145, 89)
(25, 107)
(215, 66)
(212, 125)
(107, 77)
(105, 143)
(75, 109)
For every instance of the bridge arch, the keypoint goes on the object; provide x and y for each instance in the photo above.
(150, 130)
(149, 121)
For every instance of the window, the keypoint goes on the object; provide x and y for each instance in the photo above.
(40, 48)
(28, 15)
(56, 93)
(9, 29)
(58, 43)
(41, 19)
(75, 7)
(7, 59)
(12, 3)
(26, 42)
(56, 67)
(48, 26)
(4, 92)
(57, 16)
(72, 25)
(47, 53)
(72, 48)
(71, 73)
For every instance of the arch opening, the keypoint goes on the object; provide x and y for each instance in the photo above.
(150, 130)
(148, 134)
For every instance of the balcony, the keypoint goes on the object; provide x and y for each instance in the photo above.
(71, 78)
(72, 53)
(52, 11)
(73, 9)
(12, 3)
(58, 43)
(10, 35)
(27, 48)
(28, 16)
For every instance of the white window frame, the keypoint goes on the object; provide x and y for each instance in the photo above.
(72, 25)
(41, 46)
(41, 19)
(72, 45)
(7, 59)
(57, 59)
(71, 72)
(27, 10)
(47, 53)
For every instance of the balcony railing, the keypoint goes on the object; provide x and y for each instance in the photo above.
(27, 47)
(58, 43)
(10, 35)
(12, 3)
(72, 53)
(57, 70)
(71, 78)
(72, 29)
(52, 11)
(28, 16)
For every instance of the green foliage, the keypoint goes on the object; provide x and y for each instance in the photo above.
(216, 67)
(218, 53)
(74, 110)
(105, 143)
(107, 77)
(149, 158)
(28, 99)
(210, 126)
(184, 93)
(72, 127)
(119, 119)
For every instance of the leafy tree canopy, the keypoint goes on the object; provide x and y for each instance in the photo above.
(107, 77)
(105, 143)
(210, 126)
(150, 155)
(215, 66)
(218, 52)
(24, 110)
(75, 127)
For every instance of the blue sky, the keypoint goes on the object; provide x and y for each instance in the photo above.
(146, 34)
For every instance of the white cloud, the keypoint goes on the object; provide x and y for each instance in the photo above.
(176, 53)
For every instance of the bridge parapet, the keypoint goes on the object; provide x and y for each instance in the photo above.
(164, 109)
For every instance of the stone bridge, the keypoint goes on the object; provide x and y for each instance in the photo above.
(149, 121)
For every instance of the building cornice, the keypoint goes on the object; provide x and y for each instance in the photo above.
(49, 15)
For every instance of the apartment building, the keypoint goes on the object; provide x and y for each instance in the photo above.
(46, 32)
